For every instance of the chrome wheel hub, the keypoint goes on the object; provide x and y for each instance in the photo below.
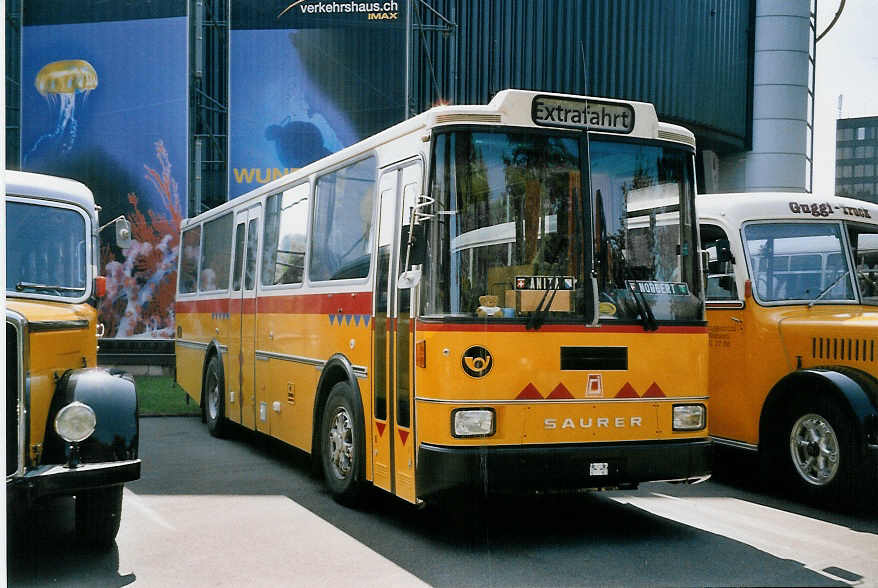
(341, 443)
(814, 449)
(213, 398)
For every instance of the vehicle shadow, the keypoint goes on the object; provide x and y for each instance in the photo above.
(46, 535)
(739, 474)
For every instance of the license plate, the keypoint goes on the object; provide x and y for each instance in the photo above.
(599, 469)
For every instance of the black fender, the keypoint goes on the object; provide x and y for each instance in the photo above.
(854, 390)
(213, 348)
(338, 368)
(113, 398)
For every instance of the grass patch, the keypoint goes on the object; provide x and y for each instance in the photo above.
(160, 395)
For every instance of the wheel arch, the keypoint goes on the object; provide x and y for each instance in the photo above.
(337, 369)
(214, 349)
(853, 390)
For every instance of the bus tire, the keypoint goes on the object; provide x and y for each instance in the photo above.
(342, 446)
(821, 459)
(214, 394)
(98, 514)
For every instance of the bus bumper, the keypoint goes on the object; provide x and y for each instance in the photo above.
(62, 480)
(504, 469)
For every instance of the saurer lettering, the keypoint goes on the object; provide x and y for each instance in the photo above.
(588, 423)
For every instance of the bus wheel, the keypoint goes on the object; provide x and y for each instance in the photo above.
(214, 398)
(820, 452)
(98, 514)
(342, 446)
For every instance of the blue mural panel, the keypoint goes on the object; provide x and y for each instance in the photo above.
(309, 78)
(104, 101)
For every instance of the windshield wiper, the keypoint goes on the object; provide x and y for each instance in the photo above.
(828, 288)
(538, 317)
(20, 286)
(643, 308)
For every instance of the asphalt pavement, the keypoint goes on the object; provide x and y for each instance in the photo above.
(248, 511)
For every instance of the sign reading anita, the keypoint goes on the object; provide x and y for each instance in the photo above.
(592, 115)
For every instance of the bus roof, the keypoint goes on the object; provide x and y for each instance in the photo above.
(736, 209)
(19, 183)
(508, 107)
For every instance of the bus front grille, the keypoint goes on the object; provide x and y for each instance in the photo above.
(843, 349)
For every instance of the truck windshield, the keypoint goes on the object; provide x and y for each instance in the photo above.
(798, 262)
(510, 233)
(45, 250)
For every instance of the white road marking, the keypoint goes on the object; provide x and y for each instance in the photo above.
(243, 540)
(816, 544)
(131, 500)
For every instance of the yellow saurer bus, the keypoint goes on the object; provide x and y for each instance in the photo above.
(504, 297)
(792, 295)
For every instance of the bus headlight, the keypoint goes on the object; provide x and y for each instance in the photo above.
(472, 422)
(75, 422)
(689, 417)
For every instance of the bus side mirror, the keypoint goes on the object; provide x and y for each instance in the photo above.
(409, 279)
(418, 241)
(724, 251)
(123, 233)
(705, 265)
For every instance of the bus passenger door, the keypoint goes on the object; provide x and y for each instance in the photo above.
(250, 409)
(403, 342)
(392, 406)
(233, 363)
(382, 381)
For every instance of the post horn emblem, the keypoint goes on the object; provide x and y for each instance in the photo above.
(477, 361)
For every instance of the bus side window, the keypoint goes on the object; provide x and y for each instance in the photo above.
(283, 248)
(239, 257)
(189, 260)
(341, 235)
(866, 259)
(216, 253)
(721, 268)
(252, 242)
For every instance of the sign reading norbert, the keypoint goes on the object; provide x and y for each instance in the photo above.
(583, 114)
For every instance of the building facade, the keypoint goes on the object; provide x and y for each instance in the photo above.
(856, 157)
(168, 108)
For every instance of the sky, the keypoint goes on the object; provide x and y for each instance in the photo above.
(846, 64)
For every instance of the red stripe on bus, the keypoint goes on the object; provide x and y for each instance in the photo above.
(338, 303)
(203, 306)
(344, 303)
(509, 328)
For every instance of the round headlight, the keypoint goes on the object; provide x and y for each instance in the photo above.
(75, 422)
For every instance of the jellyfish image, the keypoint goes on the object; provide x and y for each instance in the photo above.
(61, 82)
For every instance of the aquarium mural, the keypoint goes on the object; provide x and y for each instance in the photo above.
(308, 78)
(104, 101)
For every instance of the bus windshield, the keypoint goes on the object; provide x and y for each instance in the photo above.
(510, 233)
(796, 261)
(645, 239)
(45, 250)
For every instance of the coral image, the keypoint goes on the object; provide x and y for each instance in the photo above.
(61, 82)
(140, 290)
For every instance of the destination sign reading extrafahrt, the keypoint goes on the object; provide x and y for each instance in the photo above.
(592, 115)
